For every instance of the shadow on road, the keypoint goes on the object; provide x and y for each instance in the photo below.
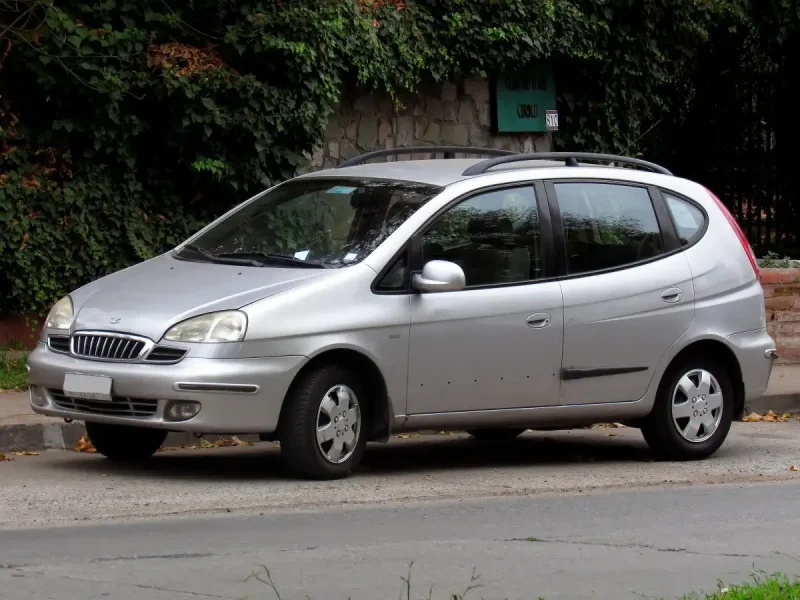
(401, 456)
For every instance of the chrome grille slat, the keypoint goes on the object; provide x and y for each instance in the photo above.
(108, 346)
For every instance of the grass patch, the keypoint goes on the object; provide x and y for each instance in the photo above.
(12, 370)
(774, 587)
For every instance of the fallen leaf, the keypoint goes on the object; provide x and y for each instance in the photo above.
(794, 468)
(3, 457)
(84, 445)
(770, 417)
(239, 442)
(25, 453)
(204, 443)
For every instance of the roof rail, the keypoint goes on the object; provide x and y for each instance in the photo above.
(570, 160)
(448, 151)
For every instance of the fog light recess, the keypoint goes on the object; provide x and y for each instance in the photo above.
(181, 410)
(38, 397)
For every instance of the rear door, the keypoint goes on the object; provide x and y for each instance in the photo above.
(627, 288)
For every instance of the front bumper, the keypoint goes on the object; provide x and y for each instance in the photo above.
(248, 396)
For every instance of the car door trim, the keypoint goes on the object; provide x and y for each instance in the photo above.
(573, 374)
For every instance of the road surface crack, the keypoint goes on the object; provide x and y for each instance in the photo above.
(134, 585)
(640, 546)
(152, 557)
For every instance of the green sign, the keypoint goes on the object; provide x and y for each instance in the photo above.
(526, 101)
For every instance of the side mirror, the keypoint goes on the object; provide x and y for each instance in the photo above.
(439, 276)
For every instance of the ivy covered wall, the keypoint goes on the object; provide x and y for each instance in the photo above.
(125, 125)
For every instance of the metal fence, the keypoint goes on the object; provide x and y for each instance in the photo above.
(738, 141)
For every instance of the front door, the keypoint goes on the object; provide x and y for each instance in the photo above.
(626, 301)
(497, 343)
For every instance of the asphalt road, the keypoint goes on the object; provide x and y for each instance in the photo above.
(576, 514)
(603, 545)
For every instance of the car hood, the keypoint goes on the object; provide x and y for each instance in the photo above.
(147, 299)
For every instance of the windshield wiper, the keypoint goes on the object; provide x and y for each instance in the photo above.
(221, 259)
(264, 257)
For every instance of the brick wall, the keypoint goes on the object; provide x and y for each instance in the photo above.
(782, 299)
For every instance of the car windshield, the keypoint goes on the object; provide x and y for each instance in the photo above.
(320, 223)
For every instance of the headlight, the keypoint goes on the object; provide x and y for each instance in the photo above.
(226, 326)
(61, 314)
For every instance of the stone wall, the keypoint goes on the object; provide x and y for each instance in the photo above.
(440, 114)
(782, 300)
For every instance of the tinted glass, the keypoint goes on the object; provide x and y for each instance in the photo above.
(319, 222)
(607, 225)
(494, 237)
(688, 219)
(395, 278)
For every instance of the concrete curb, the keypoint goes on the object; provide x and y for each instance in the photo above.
(778, 403)
(63, 436)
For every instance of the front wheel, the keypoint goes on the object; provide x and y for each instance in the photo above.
(323, 429)
(124, 443)
(693, 411)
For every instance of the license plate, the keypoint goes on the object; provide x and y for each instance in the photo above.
(88, 387)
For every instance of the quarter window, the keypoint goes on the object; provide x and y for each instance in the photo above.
(494, 237)
(607, 225)
(688, 219)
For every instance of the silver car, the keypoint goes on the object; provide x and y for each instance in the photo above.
(486, 295)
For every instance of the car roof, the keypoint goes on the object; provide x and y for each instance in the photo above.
(440, 172)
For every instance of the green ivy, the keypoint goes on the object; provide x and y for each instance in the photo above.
(126, 125)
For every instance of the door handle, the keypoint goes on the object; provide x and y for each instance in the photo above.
(672, 295)
(538, 320)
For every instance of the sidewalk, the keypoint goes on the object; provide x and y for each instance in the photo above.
(21, 429)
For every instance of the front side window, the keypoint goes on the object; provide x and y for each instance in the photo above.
(688, 219)
(494, 237)
(607, 225)
(318, 223)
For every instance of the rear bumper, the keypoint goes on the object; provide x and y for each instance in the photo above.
(753, 351)
(245, 395)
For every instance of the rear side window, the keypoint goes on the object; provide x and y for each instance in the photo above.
(607, 225)
(689, 220)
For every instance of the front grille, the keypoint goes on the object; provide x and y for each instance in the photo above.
(58, 343)
(117, 407)
(107, 346)
(166, 354)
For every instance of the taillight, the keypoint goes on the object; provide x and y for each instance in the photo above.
(739, 233)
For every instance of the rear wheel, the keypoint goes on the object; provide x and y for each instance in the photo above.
(323, 429)
(125, 443)
(693, 411)
(496, 435)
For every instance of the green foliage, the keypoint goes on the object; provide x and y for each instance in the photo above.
(125, 126)
(12, 371)
(775, 587)
(774, 261)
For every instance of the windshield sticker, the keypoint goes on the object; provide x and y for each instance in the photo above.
(341, 189)
(302, 255)
(350, 257)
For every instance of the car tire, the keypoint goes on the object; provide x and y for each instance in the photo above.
(678, 428)
(496, 435)
(124, 443)
(323, 431)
